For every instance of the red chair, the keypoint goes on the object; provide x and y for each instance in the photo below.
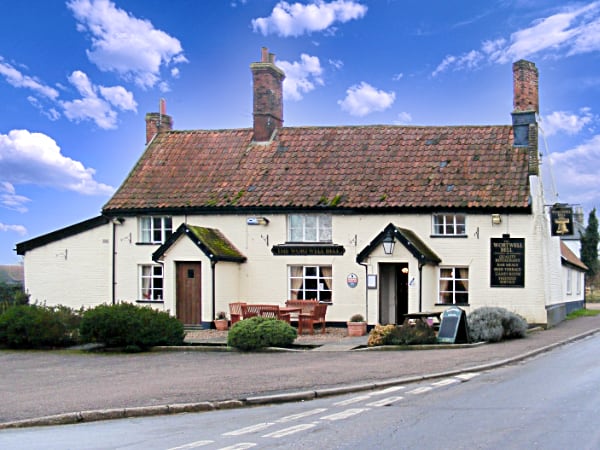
(316, 317)
(235, 311)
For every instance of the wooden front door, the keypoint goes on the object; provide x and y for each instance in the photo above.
(188, 306)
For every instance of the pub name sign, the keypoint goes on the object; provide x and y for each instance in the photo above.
(561, 220)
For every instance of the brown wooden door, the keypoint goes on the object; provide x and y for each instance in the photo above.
(189, 293)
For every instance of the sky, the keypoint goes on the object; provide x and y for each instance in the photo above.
(78, 76)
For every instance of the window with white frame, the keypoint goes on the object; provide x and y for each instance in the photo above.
(569, 281)
(449, 224)
(310, 283)
(454, 285)
(578, 277)
(151, 282)
(309, 228)
(155, 229)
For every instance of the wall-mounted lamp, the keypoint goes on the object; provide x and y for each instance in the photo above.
(405, 270)
(496, 219)
(388, 243)
(257, 221)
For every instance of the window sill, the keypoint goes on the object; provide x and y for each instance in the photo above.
(460, 236)
(148, 243)
(150, 301)
(453, 304)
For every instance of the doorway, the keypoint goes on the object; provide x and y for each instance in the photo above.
(393, 293)
(188, 305)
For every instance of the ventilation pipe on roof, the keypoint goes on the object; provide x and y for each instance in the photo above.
(267, 81)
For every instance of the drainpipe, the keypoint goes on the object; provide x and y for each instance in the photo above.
(366, 292)
(421, 287)
(213, 280)
(115, 221)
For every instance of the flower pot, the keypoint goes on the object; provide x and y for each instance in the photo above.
(221, 324)
(357, 328)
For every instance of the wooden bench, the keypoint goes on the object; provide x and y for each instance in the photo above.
(253, 310)
(235, 311)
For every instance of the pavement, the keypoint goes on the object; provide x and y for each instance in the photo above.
(63, 387)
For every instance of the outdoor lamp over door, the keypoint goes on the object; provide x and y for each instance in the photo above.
(388, 243)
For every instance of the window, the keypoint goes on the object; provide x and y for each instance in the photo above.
(454, 285)
(578, 277)
(310, 283)
(309, 228)
(151, 283)
(155, 230)
(569, 281)
(449, 224)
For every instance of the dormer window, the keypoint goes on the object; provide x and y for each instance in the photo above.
(155, 229)
(309, 228)
(449, 224)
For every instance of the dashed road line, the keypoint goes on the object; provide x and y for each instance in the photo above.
(290, 430)
(345, 414)
(240, 446)
(385, 401)
(301, 415)
(250, 429)
(192, 445)
(467, 375)
(420, 390)
(349, 401)
(445, 382)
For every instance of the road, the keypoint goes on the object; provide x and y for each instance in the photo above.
(548, 402)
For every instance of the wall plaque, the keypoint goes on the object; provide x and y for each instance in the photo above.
(507, 265)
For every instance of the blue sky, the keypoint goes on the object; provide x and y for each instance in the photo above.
(78, 76)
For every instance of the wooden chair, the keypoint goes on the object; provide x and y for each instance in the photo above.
(316, 317)
(235, 311)
(251, 310)
(307, 305)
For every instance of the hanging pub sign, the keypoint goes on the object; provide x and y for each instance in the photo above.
(507, 265)
(561, 220)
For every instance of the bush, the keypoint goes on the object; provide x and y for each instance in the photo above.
(260, 332)
(418, 334)
(34, 326)
(130, 327)
(11, 295)
(492, 324)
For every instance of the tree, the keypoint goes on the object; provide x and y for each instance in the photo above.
(589, 246)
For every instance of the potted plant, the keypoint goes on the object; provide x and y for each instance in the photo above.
(357, 325)
(221, 322)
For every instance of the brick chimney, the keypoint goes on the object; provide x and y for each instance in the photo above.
(268, 96)
(158, 122)
(526, 106)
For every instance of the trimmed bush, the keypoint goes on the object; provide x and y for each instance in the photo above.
(130, 327)
(492, 324)
(380, 335)
(418, 334)
(260, 332)
(34, 326)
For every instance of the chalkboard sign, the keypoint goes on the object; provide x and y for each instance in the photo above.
(453, 328)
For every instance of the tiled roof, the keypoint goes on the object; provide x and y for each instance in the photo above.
(569, 258)
(337, 167)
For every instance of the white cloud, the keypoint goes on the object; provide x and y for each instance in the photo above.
(17, 79)
(16, 228)
(336, 63)
(35, 158)
(404, 118)
(562, 121)
(297, 19)
(92, 107)
(569, 32)
(9, 198)
(301, 76)
(398, 76)
(124, 44)
(364, 99)
(578, 168)
(51, 113)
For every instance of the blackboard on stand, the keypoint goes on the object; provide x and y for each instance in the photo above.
(453, 327)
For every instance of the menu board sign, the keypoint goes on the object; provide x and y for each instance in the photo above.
(507, 265)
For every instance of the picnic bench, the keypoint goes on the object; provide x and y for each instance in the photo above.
(262, 310)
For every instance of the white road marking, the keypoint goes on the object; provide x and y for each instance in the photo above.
(467, 376)
(240, 446)
(345, 414)
(420, 390)
(357, 399)
(192, 445)
(290, 430)
(301, 415)
(389, 390)
(250, 429)
(385, 401)
(445, 382)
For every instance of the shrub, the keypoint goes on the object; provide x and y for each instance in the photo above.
(380, 335)
(130, 327)
(35, 326)
(260, 332)
(357, 318)
(492, 324)
(11, 295)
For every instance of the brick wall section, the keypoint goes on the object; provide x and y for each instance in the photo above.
(525, 83)
(268, 96)
(155, 123)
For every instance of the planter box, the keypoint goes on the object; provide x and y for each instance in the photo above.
(357, 328)
(222, 325)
